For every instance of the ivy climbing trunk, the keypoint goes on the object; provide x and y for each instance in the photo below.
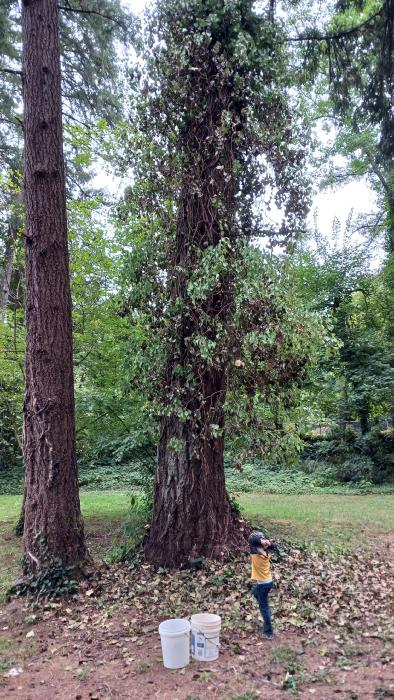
(215, 112)
(53, 525)
(192, 515)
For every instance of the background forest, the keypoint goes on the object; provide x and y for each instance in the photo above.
(322, 414)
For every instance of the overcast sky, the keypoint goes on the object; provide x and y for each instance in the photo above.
(329, 204)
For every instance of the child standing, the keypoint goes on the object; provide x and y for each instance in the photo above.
(261, 575)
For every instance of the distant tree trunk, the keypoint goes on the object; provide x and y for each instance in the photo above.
(52, 519)
(364, 418)
(6, 273)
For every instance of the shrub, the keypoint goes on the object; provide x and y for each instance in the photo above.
(347, 457)
(134, 529)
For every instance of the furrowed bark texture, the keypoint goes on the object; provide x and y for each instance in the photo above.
(52, 519)
(192, 514)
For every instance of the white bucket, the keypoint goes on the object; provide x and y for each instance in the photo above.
(205, 636)
(175, 642)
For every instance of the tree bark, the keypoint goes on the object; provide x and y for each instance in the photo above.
(53, 525)
(364, 418)
(192, 515)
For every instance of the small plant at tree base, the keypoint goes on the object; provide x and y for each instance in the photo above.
(283, 653)
(143, 667)
(134, 528)
(294, 677)
(52, 579)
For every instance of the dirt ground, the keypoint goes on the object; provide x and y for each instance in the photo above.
(333, 640)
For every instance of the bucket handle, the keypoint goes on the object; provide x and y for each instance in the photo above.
(215, 644)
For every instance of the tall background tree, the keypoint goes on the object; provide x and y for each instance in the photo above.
(94, 43)
(53, 524)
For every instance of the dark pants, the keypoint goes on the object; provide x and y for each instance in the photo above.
(261, 592)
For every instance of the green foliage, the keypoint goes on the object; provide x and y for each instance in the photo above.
(379, 445)
(353, 377)
(309, 477)
(54, 581)
(345, 456)
(134, 529)
(120, 463)
(11, 383)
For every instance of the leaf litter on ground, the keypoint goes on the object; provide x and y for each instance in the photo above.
(319, 599)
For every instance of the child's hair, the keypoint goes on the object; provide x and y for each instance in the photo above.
(255, 538)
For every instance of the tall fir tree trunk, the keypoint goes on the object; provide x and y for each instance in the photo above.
(52, 520)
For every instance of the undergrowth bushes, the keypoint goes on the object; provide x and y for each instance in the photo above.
(134, 528)
(337, 462)
(256, 477)
(345, 457)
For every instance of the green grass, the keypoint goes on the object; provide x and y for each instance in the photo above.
(322, 519)
(318, 519)
(98, 504)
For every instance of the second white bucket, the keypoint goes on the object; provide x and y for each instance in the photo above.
(205, 636)
(175, 642)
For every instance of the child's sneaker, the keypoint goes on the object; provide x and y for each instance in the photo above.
(267, 635)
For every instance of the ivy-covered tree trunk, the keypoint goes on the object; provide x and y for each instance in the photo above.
(53, 524)
(210, 109)
(192, 515)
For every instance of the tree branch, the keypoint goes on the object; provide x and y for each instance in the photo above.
(338, 35)
(68, 8)
(10, 71)
(74, 119)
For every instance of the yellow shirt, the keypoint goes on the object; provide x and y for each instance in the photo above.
(261, 569)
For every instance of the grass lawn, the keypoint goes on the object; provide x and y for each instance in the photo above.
(322, 519)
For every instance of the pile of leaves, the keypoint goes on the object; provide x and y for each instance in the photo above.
(313, 590)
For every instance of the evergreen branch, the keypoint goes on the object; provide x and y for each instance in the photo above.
(11, 71)
(16, 121)
(74, 119)
(337, 35)
(68, 8)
